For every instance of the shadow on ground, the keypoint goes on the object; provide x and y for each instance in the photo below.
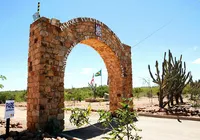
(89, 131)
(83, 133)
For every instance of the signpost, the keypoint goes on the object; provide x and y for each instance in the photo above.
(9, 113)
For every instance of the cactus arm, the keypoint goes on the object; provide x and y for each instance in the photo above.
(154, 80)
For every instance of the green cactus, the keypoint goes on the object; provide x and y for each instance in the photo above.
(172, 80)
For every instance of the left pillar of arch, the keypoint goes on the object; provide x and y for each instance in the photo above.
(45, 98)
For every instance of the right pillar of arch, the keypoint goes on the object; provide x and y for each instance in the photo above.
(126, 90)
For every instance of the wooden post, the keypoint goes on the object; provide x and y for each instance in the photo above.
(7, 127)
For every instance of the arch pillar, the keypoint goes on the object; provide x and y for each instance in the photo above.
(45, 76)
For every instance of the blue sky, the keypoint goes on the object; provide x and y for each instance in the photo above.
(131, 20)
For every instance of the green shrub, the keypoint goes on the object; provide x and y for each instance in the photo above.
(137, 90)
(78, 94)
(18, 96)
(186, 90)
(101, 90)
(124, 121)
(143, 91)
(79, 117)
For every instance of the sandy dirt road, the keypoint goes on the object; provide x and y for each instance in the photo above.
(152, 128)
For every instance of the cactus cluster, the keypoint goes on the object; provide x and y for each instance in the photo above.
(171, 80)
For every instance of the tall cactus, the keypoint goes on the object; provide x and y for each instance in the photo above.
(172, 80)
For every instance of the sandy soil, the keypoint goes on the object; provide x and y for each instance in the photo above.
(20, 110)
(20, 115)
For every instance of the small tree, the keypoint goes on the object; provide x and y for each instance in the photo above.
(137, 92)
(124, 120)
(101, 90)
(79, 117)
(94, 89)
(149, 92)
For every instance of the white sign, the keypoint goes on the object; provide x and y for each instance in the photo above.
(9, 109)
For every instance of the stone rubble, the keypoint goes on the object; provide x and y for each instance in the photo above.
(27, 135)
(13, 124)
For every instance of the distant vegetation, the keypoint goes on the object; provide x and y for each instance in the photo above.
(195, 93)
(143, 91)
(17, 95)
(80, 94)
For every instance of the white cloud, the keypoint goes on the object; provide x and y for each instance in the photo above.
(86, 71)
(197, 61)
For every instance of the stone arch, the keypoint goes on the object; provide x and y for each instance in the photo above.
(49, 45)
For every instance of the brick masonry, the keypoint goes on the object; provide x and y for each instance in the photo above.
(50, 43)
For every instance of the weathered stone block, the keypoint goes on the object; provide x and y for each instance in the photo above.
(47, 89)
(35, 113)
(60, 116)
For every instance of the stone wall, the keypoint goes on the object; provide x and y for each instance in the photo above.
(49, 46)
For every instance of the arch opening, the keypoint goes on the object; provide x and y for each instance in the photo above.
(82, 64)
(113, 68)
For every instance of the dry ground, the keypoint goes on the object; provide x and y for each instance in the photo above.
(153, 128)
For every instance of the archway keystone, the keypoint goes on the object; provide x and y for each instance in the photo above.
(50, 44)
